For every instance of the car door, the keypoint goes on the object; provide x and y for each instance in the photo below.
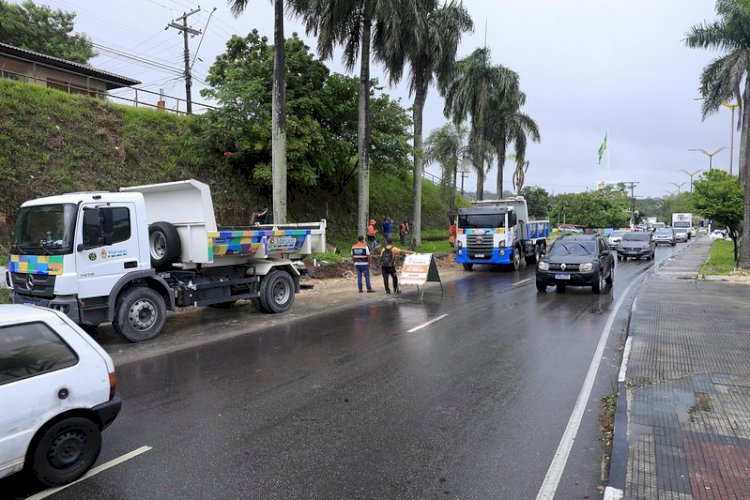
(104, 256)
(43, 374)
(604, 256)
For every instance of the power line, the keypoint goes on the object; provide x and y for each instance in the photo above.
(186, 30)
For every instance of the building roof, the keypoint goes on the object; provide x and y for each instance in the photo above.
(112, 80)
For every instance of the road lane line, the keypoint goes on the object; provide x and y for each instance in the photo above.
(521, 282)
(426, 324)
(625, 358)
(96, 470)
(556, 468)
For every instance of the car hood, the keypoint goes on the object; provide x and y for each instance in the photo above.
(571, 259)
(634, 244)
(663, 236)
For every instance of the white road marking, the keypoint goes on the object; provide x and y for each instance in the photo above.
(556, 468)
(625, 358)
(612, 493)
(521, 282)
(426, 324)
(96, 470)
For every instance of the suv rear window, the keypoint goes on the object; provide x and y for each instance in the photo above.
(636, 237)
(31, 349)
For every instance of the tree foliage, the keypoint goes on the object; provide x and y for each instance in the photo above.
(41, 29)
(718, 196)
(537, 200)
(321, 117)
(606, 207)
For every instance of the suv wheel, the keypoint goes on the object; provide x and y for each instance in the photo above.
(611, 277)
(598, 284)
(541, 286)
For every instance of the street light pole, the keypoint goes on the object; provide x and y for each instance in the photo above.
(691, 174)
(710, 155)
(731, 132)
(679, 186)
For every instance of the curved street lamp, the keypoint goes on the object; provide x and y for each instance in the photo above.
(678, 186)
(731, 132)
(710, 155)
(691, 175)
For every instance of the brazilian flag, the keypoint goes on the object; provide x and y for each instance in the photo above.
(602, 149)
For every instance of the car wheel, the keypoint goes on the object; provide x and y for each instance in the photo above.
(598, 284)
(611, 277)
(468, 267)
(65, 451)
(560, 288)
(541, 286)
(140, 314)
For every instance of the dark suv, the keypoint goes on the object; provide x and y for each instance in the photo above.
(576, 260)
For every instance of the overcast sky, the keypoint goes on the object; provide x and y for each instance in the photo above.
(588, 67)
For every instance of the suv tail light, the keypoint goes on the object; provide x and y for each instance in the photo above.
(112, 384)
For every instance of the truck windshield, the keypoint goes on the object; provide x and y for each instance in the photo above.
(481, 220)
(45, 230)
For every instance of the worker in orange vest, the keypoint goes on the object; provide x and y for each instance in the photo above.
(361, 258)
(371, 232)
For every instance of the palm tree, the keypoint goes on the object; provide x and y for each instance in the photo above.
(508, 124)
(359, 26)
(278, 110)
(429, 46)
(447, 146)
(728, 77)
(472, 89)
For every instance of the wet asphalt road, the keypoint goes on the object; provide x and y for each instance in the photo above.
(352, 405)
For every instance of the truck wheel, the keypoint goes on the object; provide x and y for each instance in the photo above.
(140, 314)
(468, 267)
(163, 244)
(276, 292)
(515, 259)
(535, 257)
(65, 451)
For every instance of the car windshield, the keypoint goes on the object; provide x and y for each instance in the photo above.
(636, 237)
(45, 230)
(664, 232)
(572, 247)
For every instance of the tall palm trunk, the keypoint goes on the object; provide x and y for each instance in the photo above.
(744, 133)
(500, 149)
(744, 261)
(278, 112)
(419, 98)
(363, 128)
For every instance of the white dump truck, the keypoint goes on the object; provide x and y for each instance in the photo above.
(127, 257)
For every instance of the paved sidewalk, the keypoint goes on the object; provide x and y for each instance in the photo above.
(687, 387)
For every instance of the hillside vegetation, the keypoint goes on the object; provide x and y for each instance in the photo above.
(52, 142)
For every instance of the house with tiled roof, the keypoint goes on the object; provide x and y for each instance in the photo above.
(54, 72)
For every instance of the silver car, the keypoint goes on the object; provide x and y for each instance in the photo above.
(665, 236)
(681, 234)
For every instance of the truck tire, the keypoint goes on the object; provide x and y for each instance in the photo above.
(65, 451)
(536, 256)
(515, 259)
(163, 244)
(468, 267)
(140, 314)
(276, 292)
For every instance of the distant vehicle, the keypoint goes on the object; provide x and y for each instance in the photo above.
(576, 260)
(636, 245)
(665, 236)
(57, 387)
(614, 238)
(681, 234)
(569, 228)
(683, 220)
(658, 225)
(719, 234)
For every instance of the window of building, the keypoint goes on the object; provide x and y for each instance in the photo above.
(32, 349)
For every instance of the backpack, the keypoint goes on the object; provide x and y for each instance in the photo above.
(386, 258)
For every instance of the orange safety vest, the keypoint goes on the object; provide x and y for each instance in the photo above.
(360, 253)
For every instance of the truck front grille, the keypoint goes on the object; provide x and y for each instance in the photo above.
(38, 285)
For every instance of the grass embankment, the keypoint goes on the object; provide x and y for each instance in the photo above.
(721, 260)
(4, 295)
(53, 142)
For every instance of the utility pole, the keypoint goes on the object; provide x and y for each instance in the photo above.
(464, 175)
(632, 186)
(185, 32)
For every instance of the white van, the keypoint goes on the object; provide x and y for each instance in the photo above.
(57, 393)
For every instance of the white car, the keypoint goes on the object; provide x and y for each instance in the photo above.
(614, 238)
(57, 393)
(719, 234)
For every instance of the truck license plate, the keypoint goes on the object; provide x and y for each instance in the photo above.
(562, 276)
(479, 256)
